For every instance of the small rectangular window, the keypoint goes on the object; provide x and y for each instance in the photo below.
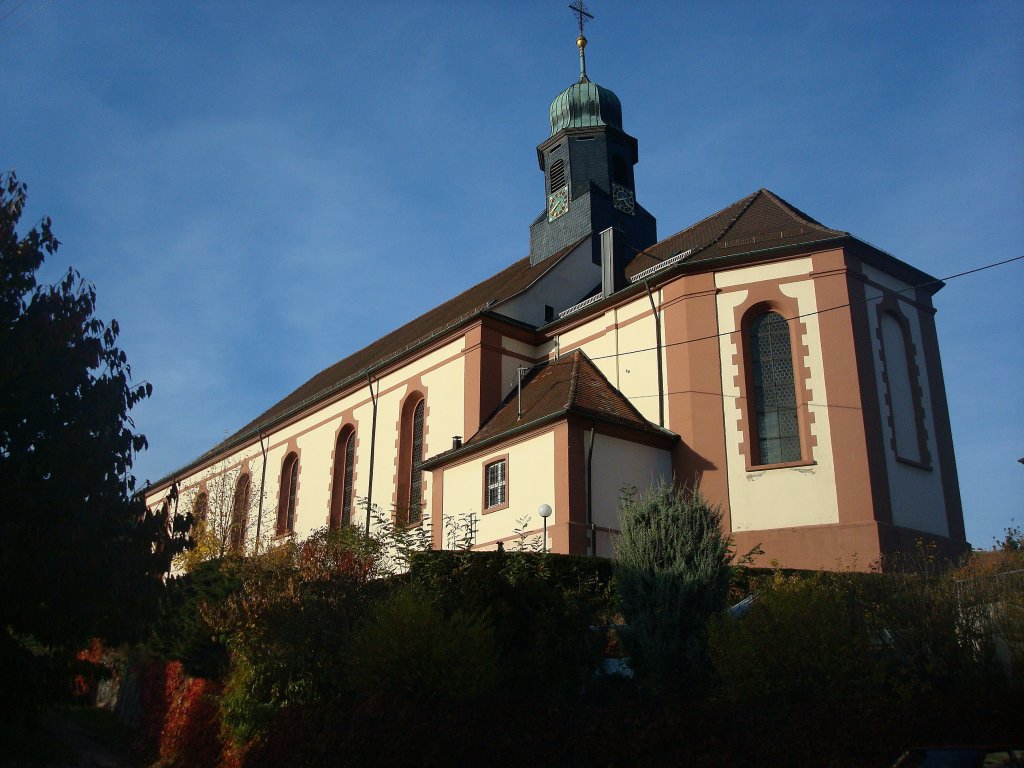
(496, 487)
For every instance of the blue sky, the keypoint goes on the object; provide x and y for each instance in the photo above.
(258, 189)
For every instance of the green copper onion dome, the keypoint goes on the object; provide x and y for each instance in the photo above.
(584, 104)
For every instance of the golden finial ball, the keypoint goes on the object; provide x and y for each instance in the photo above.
(581, 42)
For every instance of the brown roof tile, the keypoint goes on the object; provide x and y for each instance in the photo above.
(467, 304)
(760, 220)
(571, 384)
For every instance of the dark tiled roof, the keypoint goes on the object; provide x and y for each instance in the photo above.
(501, 286)
(760, 220)
(571, 384)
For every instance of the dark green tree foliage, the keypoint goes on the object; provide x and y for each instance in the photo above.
(183, 631)
(541, 607)
(672, 574)
(80, 556)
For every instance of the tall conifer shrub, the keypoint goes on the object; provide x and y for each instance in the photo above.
(671, 575)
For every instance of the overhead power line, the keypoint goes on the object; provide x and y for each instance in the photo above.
(795, 317)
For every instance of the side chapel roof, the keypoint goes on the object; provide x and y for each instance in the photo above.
(569, 385)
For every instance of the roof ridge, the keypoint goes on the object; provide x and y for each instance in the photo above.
(749, 202)
(592, 366)
(573, 379)
(552, 261)
(791, 209)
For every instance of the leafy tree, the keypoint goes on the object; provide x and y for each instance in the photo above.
(80, 555)
(671, 575)
(224, 518)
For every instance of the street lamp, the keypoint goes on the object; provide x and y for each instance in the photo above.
(544, 510)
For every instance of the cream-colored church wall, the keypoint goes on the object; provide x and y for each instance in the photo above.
(637, 371)
(531, 482)
(618, 464)
(781, 497)
(622, 343)
(915, 492)
(442, 373)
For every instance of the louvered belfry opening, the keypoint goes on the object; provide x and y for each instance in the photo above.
(556, 176)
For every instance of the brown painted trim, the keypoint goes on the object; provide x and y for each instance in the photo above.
(284, 490)
(558, 536)
(437, 509)
(781, 465)
(868, 431)
(506, 352)
(402, 479)
(611, 327)
(862, 494)
(335, 488)
(540, 427)
(622, 432)
(769, 298)
(688, 270)
(474, 367)
(694, 400)
(485, 510)
(577, 533)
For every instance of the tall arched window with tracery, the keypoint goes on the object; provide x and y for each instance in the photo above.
(289, 491)
(239, 513)
(410, 462)
(774, 411)
(344, 472)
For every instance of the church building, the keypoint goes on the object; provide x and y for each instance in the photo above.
(789, 369)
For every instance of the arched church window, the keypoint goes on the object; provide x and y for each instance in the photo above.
(775, 408)
(410, 461)
(416, 481)
(344, 469)
(289, 491)
(556, 175)
(239, 513)
(200, 508)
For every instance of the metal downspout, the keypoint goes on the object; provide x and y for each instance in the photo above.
(373, 445)
(263, 480)
(590, 493)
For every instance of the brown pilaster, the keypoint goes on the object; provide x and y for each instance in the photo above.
(482, 375)
(694, 383)
(855, 493)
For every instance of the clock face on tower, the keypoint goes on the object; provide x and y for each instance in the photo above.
(558, 203)
(624, 199)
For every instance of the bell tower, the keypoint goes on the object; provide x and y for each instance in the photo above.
(587, 163)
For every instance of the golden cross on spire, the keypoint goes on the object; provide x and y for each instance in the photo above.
(583, 15)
